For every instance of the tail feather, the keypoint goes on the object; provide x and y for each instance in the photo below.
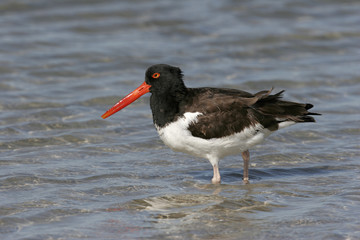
(308, 106)
(284, 111)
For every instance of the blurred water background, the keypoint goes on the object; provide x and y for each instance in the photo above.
(67, 174)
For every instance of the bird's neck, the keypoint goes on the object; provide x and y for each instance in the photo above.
(165, 108)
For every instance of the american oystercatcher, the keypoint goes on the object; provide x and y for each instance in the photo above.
(212, 122)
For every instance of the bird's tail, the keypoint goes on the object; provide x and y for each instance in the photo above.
(283, 111)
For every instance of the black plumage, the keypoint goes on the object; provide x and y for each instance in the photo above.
(213, 122)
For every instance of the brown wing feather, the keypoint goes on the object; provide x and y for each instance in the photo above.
(227, 111)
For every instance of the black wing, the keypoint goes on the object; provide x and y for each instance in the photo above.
(225, 112)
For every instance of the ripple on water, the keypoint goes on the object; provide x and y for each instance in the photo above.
(43, 142)
(67, 174)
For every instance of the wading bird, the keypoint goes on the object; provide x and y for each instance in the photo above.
(212, 122)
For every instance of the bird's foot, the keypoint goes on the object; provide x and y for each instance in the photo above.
(246, 180)
(215, 180)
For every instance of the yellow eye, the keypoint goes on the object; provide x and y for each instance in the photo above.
(156, 75)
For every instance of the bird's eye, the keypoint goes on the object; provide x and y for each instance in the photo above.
(156, 75)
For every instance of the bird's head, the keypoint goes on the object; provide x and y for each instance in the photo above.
(160, 79)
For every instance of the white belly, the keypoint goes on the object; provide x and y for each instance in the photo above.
(177, 136)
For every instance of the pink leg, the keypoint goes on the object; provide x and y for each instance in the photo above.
(216, 178)
(246, 157)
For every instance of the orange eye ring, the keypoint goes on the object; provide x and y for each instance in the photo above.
(156, 75)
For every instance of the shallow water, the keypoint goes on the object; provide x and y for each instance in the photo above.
(67, 174)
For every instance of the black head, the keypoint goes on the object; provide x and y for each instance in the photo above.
(167, 88)
(165, 79)
(168, 91)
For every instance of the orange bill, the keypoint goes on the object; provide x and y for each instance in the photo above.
(131, 97)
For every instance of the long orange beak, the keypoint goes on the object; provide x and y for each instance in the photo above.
(131, 97)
